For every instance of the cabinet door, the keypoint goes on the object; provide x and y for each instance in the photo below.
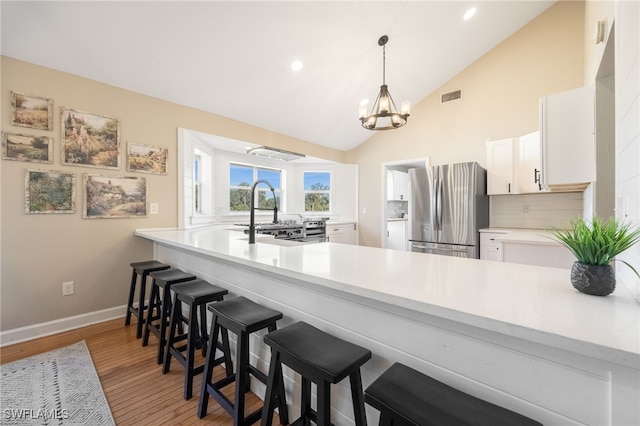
(397, 235)
(344, 233)
(397, 185)
(490, 249)
(500, 167)
(528, 168)
(568, 141)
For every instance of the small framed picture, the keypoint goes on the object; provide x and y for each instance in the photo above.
(49, 191)
(114, 197)
(31, 111)
(90, 140)
(147, 159)
(18, 147)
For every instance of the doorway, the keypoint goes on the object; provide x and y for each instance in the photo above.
(396, 201)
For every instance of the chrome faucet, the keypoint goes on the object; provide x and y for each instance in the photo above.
(252, 223)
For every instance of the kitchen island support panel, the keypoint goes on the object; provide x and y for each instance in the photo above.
(532, 372)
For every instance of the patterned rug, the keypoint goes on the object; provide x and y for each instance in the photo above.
(60, 387)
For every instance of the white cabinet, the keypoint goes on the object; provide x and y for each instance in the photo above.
(397, 234)
(500, 155)
(513, 165)
(528, 170)
(567, 139)
(397, 185)
(345, 233)
(490, 248)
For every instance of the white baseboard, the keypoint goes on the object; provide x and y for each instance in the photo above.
(34, 331)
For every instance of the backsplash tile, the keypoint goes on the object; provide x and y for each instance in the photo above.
(535, 211)
(396, 208)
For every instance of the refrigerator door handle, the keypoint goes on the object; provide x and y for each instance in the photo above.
(434, 206)
(439, 205)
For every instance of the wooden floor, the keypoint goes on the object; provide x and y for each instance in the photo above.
(137, 391)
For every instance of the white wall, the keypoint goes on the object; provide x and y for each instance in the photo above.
(627, 77)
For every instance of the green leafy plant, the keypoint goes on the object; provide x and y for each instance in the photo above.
(598, 242)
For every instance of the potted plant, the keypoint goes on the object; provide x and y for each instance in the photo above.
(595, 245)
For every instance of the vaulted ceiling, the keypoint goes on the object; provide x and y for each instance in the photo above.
(233, 58)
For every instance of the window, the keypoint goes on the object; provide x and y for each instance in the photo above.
(197, 183)
(317, 191)
(241, 178)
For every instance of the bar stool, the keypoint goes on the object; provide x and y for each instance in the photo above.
(196, 294)
(320, 358)
(242, 317)
(160, 308)
(142, 269)
(405, 396)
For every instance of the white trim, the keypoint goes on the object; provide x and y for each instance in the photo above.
(34, 331)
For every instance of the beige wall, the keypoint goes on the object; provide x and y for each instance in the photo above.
(500, 95)
(39, 252)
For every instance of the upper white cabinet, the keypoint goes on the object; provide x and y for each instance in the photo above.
(528, 169)
(397, 185)
(567, 140)
(513, 165)
(500, 177)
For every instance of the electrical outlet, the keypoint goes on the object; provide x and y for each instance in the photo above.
(526, 209)
(153, 207)
(67, 288)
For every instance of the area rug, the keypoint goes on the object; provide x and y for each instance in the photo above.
(59, 387)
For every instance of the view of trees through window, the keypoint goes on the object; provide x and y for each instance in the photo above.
(241, 178)
(317, 191)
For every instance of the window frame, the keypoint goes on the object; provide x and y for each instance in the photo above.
(260, 189)
(328, 192)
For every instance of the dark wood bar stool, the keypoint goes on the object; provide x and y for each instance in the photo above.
(320, 358)
(196, 294)
(407, 397)
(142, 269)
(242, 317)
(160, 306)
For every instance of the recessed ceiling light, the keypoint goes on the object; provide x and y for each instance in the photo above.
(469, 14)
(296, 65)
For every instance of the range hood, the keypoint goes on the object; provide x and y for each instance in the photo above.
(279, 154)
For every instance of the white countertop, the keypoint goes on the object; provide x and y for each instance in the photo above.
(528, 302)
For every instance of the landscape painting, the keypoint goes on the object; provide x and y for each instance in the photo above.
(18, 147)
(90, 140)
(114, 196)
(49, 191)
(31, 111)
(147, 159)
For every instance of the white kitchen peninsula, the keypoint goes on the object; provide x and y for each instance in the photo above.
(516, 335)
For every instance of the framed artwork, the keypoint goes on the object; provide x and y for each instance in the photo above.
(114, 197)
(18, 147)
(147, 159)
(49, 191)
(90, 140)
(31, 111)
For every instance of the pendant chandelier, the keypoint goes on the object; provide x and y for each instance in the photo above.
(384, 115)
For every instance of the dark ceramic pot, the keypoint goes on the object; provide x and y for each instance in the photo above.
(598, 280)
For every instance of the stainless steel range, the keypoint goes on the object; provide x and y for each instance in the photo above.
(309, 230)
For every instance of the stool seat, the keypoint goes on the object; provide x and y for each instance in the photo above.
(318, 354)
(242, 317)
(319, 358)
(241, 314)
(142, 269)
(405, 396)
(196, 294)
(160, 307)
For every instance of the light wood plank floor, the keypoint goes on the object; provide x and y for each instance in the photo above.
(137, 391)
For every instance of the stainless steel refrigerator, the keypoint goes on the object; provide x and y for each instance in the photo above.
(448, 206)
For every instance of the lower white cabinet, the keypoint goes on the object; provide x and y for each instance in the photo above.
(397, 234)
(345, 233)
(490, 248)
(527, 247)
